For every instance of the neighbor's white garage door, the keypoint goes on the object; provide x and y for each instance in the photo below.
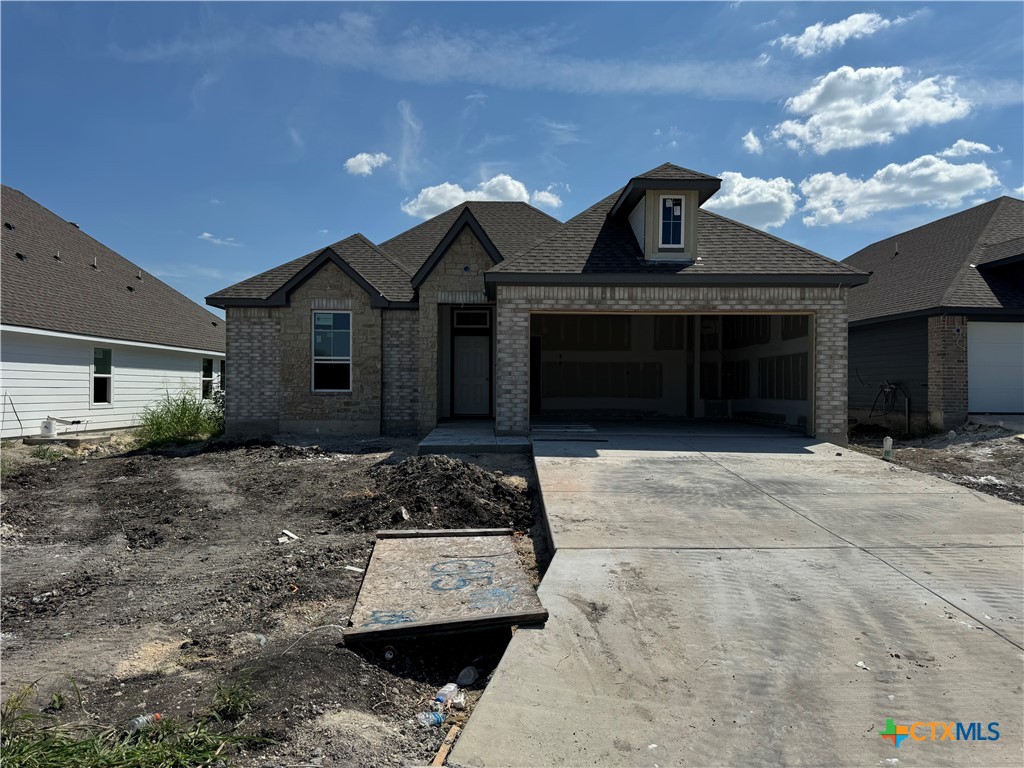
(995, 367)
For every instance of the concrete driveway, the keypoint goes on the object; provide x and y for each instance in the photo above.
(730, 596)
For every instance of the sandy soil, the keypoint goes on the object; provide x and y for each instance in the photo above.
(987, 459)
(152, 577)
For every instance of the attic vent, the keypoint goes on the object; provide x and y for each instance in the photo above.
(213, 323)
(21, 256)
(74, 225)
(94, 264)
(56, 256)
(8, 225)
(139, 276)
(131, 288)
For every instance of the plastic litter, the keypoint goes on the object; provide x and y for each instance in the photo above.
(467, 676)
(445, 695)
(143, 721)
(887, 448)
(458, 701)
(430, 718)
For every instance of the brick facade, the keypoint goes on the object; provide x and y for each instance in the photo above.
(252, 386)
(947, 371)
(401, 371)
(460, 273)
(515, 303)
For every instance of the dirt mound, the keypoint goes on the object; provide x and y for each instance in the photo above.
(437, 492)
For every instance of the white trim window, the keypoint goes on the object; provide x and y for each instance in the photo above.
(102, 376)
(332, 352)
(671, 230)
(207, 378)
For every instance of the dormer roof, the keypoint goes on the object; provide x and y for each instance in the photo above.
(666, 177)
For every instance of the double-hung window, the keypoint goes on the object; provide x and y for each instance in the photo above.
(671, 235)
(102, 377)
(332, 351)
(207, 378)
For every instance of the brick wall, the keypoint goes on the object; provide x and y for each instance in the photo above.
(401, 371)
(252, 389)
(460, 273)
(515, 303)
(947, 371)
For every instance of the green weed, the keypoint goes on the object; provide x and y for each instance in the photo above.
(233, 700)
(46, 453)
(179, 418)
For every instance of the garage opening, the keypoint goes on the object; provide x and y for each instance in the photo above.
(746, 367)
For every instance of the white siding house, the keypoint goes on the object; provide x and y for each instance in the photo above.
(86, 336)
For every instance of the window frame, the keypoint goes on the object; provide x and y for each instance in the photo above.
(109, 402)
(681, 245)
(313, 359)
(204, 380)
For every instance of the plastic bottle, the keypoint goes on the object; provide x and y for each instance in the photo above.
(444, 695)
(887, 448)
(430, 718)
(143, 721)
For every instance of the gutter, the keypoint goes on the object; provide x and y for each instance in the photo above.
(659, 280)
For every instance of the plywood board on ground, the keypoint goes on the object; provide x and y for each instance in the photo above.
(443, 581)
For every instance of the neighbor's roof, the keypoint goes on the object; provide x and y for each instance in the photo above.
(958, 262)
(594, 244)
(389, 267)
(89, 290)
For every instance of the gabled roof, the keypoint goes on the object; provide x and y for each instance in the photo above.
(595, 246)
(90, 290)
(970, 260)
(512, 227)
(667, 177)
(377, 273)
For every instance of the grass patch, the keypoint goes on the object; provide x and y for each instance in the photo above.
(46, 453)
(233, 700)
(183, 417)
(32, 739)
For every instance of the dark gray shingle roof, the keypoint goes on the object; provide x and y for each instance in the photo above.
(933, 268)
(673, 172)
(512, 227)
(384, 273)
(69, 295)
(592, 243)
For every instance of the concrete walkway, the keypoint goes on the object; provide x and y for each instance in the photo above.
(730, 596)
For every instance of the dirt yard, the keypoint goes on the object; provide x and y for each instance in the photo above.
(152, 578)
(987, 459)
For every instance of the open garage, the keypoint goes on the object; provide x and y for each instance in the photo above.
(748, 367)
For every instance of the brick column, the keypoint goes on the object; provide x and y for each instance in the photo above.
(947, 371)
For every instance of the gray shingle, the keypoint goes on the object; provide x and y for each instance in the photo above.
(933, 268)
(69, 295)
(591, 243)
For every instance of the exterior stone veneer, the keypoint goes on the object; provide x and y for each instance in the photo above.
(401, 371)
(459, 273)
(947, 371)
(515, 303)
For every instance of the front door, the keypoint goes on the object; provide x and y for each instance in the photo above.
(471, 363)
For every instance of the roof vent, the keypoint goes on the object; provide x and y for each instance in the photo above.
(139, 276)
(896, 252)
(131, 288)
(57, 256)
(21, 256)
(213, 322)
(74, 225)
(94, 264)
(8, 225)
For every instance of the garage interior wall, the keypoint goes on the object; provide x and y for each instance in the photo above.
(750, 367)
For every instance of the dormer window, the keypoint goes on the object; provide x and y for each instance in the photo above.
(672, 213)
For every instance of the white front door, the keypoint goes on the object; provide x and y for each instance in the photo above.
(472, 380)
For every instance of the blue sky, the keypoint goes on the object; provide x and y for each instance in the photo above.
(209, 142)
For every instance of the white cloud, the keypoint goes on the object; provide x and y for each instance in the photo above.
(412, 140)
(218, 240)
(751, 143)
(822, 37)
(296, 138)
(561, 133)
(856, 107)
(364, 163)
(763, 59)
(322, 231)
(215, 201)
(963, 148)
(928, 180)
(434, 200)
(761, 203)
(1019, 191)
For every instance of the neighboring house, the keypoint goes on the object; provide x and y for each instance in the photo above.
(643, 306)
(86, 335)
(942, 321)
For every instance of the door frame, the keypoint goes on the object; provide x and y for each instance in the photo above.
(472, 331)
